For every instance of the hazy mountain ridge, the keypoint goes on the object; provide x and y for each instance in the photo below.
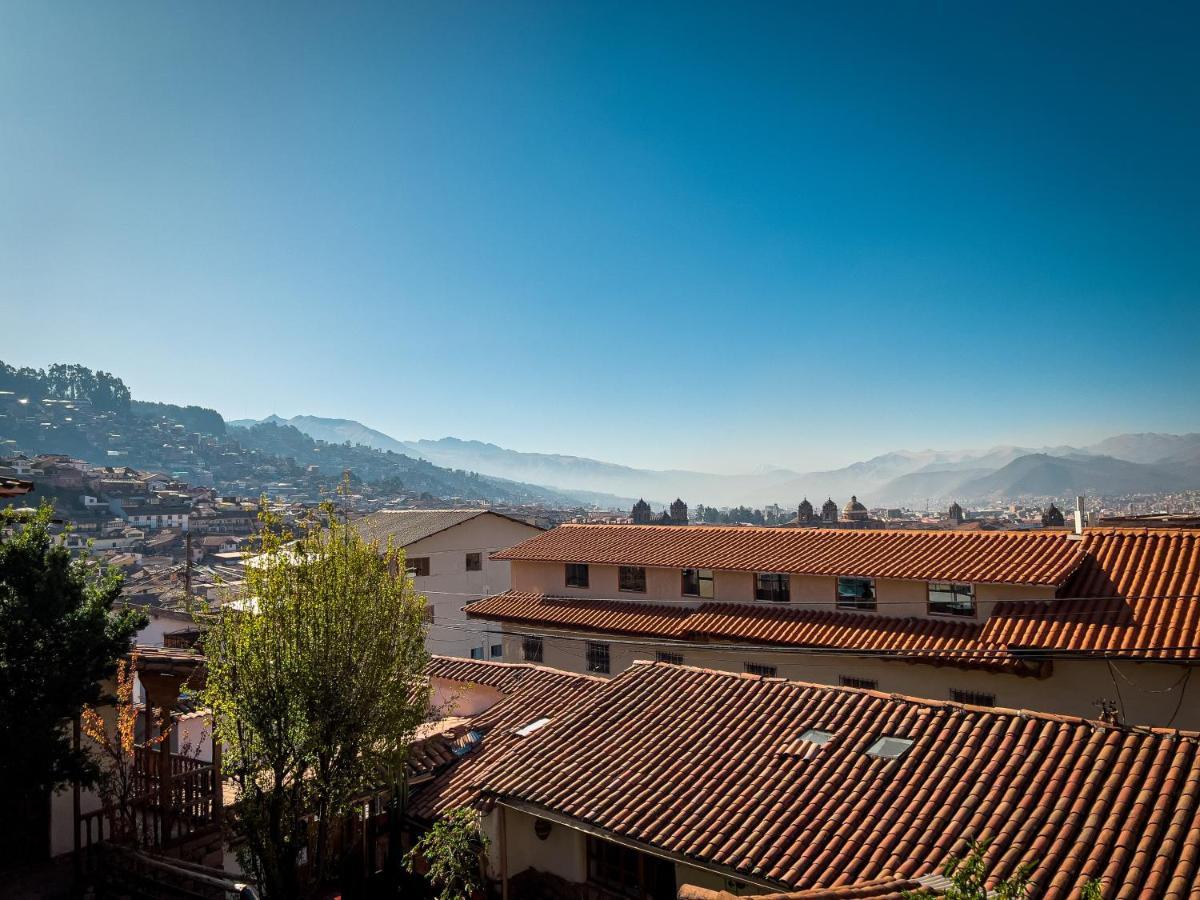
(1126, 463)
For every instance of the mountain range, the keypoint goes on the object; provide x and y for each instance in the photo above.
(1122, 464)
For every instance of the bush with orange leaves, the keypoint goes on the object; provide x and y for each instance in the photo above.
(123, 783)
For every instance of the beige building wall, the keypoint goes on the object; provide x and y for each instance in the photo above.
(1148, 693)
(449, 586)
(894, 597)
(564, 853)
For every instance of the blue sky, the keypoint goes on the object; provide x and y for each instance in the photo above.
(694, 235)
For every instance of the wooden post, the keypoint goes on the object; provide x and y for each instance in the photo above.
(164, 777)
(503, 852)
(218, 798)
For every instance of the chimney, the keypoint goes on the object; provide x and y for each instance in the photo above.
(1079, 514)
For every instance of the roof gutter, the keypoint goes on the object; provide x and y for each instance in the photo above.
(579, 825)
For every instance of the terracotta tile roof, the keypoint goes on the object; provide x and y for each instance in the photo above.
(609, 616)
(531, 692)
(888, 888)
(704, 765)
(1005, 557)
(1134, 593)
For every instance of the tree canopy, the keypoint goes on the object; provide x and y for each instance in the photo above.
(316, 681)
(59, 639)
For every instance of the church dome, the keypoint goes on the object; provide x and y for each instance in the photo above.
(854, 506)
(829, 506)
(805, 507)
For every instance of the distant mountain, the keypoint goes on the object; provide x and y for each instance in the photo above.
(1137, 463)
(335, 431)
(1040, 474)
(1148, 447)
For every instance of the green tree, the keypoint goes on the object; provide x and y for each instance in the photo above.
(452, 852)
(316, 681)
(59, 639)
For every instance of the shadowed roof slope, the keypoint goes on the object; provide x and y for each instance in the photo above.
(710, 766)
(407, 526)
(1004, 557)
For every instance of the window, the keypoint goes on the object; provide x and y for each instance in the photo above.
(856, 593)
(527, 730)
(974, 698)
(772, 586)
(675, 659)
(419, 565)
(759, 669)
(889, 747)
(476, 653)
(474, 562)
(632, 578)
(947, 599)
(698, 583)
(427, 615)
(577, 575)
(497, 650)
(597, 657)
(867, 684)
(531, 649)
(624, 872)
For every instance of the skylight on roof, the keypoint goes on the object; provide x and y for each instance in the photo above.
(889, 747)
(532, 727)
(816, 736)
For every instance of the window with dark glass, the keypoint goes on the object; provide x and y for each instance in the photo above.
(772, 586)
(759, 669)
(531, 649)
(632, 578)
(474, 562)
(577, 575)
(497, 650)
(698, 583)
(597, 657)
(675, 659)
(624, 872)
(947, 599)
(856, 593)
(418, 565)
(867, 684)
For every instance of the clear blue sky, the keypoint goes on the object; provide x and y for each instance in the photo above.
(693, 235)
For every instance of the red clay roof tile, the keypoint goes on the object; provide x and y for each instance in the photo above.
(1006, 557)
(702, 764)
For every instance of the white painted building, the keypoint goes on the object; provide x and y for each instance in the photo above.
(448, 554)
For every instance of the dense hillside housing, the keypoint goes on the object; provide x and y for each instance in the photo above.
(1100, 621)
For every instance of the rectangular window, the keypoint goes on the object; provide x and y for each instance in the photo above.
(973, 698)
(597, 657)
(675, 659)
(497, 650)
(867, 684)
(418, 565)
(947, 599)
(427, 615)
(759, 669)
(623, 872)
(577, 575)
(698, 583)
(632, 578)
(856, 593)
(474, 562)
(772, 586)
(476, 653)
(531, 649)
